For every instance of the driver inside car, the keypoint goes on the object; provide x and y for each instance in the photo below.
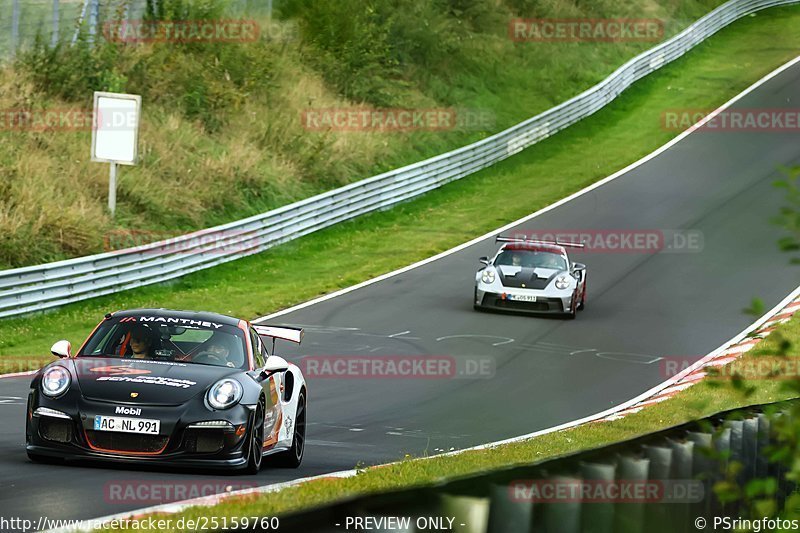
(218, 350)
(141, 343)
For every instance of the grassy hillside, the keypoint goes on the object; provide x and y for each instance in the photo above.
(222, 136)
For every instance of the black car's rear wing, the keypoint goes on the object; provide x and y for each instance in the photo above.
(523, 240)
(280, 332)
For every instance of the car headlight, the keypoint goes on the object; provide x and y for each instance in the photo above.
(55, 381)
(488, 275)
(224, 393)
(563, 282)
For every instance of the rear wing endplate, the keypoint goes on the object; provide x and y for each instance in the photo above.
(285, 333)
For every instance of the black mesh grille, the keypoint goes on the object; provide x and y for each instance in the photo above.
(126, 442)
(549, 304)
(55, 429)
(204, 440)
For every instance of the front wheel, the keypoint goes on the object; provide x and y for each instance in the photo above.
(256, 454)
(292, 457)
(573, 310)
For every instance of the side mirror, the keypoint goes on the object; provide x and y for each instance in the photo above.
(578, 267)
(273, 365)
(484, 260)
(62, 349)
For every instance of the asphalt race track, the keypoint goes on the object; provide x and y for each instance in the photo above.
(543, 371)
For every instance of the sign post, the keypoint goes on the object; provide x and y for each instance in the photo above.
(115, 135)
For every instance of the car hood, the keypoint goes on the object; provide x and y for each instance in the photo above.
(529, 278)
(144, 382)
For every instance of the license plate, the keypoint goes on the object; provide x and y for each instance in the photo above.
(522, 298)
(127, 425)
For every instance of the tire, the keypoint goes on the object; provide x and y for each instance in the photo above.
(292, 457)
(582, 305)
(255, 455)
(572, 313)
(474, 299)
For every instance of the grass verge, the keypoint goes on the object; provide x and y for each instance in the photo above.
(371, 245)
(706, 398)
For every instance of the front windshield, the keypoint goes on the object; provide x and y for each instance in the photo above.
(531, 259)
(164, 339)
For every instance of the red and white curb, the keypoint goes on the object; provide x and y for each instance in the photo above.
(728, 355)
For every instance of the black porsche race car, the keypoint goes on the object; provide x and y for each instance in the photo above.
(173, 387)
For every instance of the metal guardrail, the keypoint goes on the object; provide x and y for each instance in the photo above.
(663, 481)
(40, 287)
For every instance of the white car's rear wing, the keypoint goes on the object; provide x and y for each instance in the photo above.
(524, 240)
(275, 332)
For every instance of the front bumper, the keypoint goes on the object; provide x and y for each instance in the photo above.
(504, 300)
(180, 441)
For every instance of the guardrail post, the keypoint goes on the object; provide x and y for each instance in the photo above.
(682, 460)
(737, 430)
(722, 446)
(658, 516)
(597, 517)
(762, 464)
(506, 514)
(94, 13)
(468, 510)
(14, 27)
(629, 516)
(54, 24)
(704, 469)
(562, 516)
(749, 448)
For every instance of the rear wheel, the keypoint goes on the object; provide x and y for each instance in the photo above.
(292, 457)
(256, 454)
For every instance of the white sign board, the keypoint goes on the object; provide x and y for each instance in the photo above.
(115, 131)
